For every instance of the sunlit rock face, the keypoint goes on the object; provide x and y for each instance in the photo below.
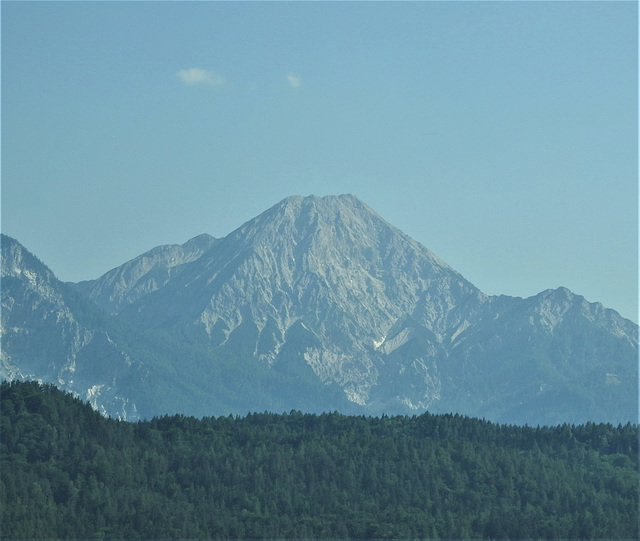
(318, 303)
(334, 266)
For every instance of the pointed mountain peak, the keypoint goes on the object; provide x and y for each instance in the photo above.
(328, 206)
(316, 302)
(331, 261)
(325, 200)
(199, 243)
(344, 205)
(17, 261)
(339, 223)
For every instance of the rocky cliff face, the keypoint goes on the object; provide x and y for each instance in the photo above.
(318, 303)
(46, 336)
(333, 266)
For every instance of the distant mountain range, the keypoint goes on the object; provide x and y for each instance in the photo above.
(317, 304)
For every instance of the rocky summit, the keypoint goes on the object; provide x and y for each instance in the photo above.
(319, 304)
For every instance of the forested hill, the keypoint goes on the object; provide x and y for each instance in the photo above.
(67, 472)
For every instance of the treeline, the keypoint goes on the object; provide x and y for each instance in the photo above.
(67, 472)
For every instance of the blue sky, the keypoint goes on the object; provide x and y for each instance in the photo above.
(126, 125)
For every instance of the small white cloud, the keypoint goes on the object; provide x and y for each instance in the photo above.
(294, 80)
(198, 76)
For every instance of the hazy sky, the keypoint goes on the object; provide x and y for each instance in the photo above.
(501, 135)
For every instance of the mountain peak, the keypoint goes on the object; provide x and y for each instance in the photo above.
(313, 210)
(18, 262)
(343, 199)
(319, 303)
(338, 229)
(329, 265)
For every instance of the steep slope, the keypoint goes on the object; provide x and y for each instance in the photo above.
(325, 288)
(318, 304)
(51, 334)
(334, 275)
(547, 359)
(143, 274)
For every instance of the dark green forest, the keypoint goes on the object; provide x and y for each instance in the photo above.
(68, 472)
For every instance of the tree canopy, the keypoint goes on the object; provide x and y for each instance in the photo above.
(68, 472)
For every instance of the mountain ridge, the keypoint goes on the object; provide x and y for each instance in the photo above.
(125, 283)
(44, 338)
(324, 294)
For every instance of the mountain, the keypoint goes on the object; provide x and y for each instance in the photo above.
(548, 359)
(143, 274)
(51, 334)
(319, 304)
(328, 277)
